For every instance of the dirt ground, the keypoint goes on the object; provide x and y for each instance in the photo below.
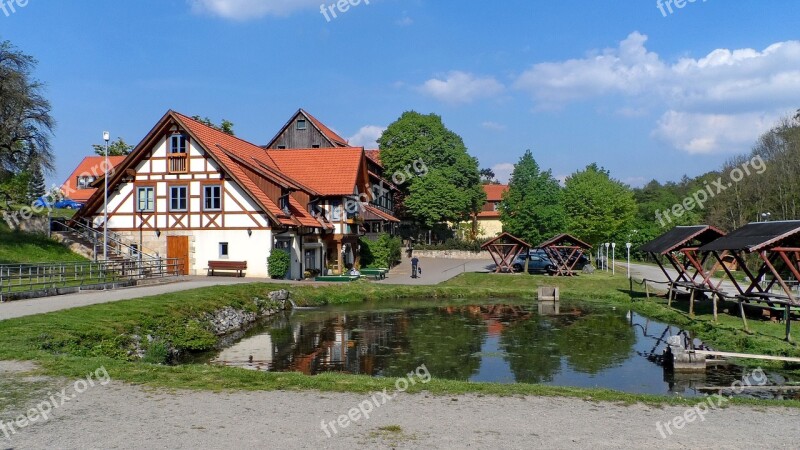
(119, 415)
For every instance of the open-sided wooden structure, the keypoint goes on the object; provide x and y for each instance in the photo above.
(777, 245)
(504, 249)
(565, 251)
(680, 248)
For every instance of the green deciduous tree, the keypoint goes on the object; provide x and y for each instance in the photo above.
(433, 168)
(532, 209)
(226, 126)
(597, 207)
(116, 148)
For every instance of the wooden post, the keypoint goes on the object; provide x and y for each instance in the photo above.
(744, 319)
(691, 303)
(671, 289)
(714, 297)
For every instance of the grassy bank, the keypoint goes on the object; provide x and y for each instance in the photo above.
(74, 342)
(19, 247)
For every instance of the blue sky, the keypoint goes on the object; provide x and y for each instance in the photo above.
(643, 93)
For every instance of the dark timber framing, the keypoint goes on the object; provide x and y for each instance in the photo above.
(777, 245)
(557, 249)
(504, 249)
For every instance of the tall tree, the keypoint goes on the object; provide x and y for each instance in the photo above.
(25, 122)
(598, 208)
(432, 167)
(116, 148)
(488, 176)
(531, 208)
(36, 184)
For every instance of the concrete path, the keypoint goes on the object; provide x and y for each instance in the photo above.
(21, 308)
(651, 272)
(435, 270)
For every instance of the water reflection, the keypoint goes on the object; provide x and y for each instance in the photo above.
(576, 345)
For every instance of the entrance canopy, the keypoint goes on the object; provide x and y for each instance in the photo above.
(504, 249)
(680, 247)
(565, 251)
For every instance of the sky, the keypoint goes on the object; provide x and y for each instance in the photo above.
(646, 91)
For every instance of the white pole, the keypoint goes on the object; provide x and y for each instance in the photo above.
(613, 258)
(606, 258)
(106, 137)
(628, 245)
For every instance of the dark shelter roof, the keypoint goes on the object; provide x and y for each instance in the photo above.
(682, 237)
(565, 240)
(756, 236)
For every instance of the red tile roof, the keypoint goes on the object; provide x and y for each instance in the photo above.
(329, 171)
(375, 156)
(90, 166)
(378, 214)
(494, 192)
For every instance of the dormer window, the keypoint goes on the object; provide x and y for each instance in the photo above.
(283, 202)
(177, 143)
(301, 124)
(85, 182)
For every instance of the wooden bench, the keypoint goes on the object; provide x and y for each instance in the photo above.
(227, 266)
(337, 278)
(378, 274)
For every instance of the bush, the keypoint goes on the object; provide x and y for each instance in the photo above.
(382, 252)
(279, 262)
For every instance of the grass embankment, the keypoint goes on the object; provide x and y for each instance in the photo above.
(24, 248)
(74, 342)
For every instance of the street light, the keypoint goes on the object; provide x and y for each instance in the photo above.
(613, 258)
(106, 137)
(606, 259)
(629, 245)
(765, 216)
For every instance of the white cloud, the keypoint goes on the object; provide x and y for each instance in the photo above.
(404, 21)
(717, 103)
(250, 9)
(461, 87)
(503, 172)
(494, 126)
(712, 133)
(367, 137)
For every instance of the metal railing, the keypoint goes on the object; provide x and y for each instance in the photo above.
(18, 279)
(116, 243)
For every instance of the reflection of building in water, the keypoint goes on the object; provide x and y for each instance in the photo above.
(253, 352)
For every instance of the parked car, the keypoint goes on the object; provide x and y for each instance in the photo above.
(43, 202)
(537, 263)
(68, 204)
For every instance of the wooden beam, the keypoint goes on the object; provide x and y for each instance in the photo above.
(747, 355)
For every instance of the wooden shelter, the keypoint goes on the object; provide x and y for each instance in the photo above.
(565, 251)
(679, 247)
(504, 249)
(777, 245)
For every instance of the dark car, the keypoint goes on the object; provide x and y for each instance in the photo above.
(537, 263)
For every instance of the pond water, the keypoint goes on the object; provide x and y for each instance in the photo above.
(577, 345)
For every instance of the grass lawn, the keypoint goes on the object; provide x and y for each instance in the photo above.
(74, 342)
(18, 247)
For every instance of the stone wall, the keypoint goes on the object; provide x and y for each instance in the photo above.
(451, 254)
(36, 224)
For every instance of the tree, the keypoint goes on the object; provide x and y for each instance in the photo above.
(36, 184)
(116, 148)
(531, 208)
(25, 122)
(597, 207)
(431, 164)
(226, 126)
(488, 176)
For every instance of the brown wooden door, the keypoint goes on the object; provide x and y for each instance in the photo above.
(178, 248)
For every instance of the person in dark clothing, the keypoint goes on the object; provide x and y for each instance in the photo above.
(414, 266)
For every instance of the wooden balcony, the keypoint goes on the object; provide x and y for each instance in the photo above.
(178, 163)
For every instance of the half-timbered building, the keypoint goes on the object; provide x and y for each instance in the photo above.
(191, 192)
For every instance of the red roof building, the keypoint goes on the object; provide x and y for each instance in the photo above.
(78, 185)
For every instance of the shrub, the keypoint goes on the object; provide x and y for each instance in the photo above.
(382, 252)
(279, 262)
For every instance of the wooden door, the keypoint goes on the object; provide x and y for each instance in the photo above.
(178, 248)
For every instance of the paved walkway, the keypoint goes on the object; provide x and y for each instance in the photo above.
(654, 273)
(435, 270)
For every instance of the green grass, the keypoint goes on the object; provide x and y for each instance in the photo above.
(74, 342)
(18, 247)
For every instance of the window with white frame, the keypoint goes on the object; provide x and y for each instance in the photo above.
(178, 198)
(146, 199)
(85, 182)
(212, 197)
(301, 124)
(177, 143)
(223, 249)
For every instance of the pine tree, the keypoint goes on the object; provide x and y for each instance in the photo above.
(36, 185)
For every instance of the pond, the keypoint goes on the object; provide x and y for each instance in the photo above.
(579, 345)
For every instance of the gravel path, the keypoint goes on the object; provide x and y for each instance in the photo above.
(123, 416)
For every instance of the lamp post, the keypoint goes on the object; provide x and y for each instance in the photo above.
(606, 259)
(765, 216)
(629, 245)
(613, 258)
(106, 137)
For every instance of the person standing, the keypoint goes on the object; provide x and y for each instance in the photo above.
(414, 266)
